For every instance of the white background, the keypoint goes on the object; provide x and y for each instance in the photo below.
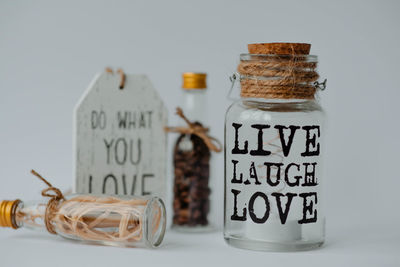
(50, 51)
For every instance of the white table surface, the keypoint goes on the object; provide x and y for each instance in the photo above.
(347, 245)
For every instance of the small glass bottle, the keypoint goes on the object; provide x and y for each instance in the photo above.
(191, 203)
(273, 147)
(107, 220)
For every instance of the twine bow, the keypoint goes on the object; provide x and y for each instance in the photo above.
(55, 196)
(197, 129)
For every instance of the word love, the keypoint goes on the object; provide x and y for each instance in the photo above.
(121, 185)
(296, 176)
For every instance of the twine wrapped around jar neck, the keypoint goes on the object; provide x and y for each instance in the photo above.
(278, 76)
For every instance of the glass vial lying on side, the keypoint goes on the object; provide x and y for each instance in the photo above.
(107, 220)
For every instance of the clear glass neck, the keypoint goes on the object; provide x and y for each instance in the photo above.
(194, 104)
(280, 105)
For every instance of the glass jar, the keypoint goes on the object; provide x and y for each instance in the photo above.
(191, 156)
(273, 164)
(107, 220)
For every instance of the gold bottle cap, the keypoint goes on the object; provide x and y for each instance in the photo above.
(7, 213)
(193, 80)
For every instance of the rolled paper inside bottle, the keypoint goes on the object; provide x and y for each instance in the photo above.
(138, 221)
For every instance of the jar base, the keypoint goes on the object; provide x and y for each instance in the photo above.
(272, 246)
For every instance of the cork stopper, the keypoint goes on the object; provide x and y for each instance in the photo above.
(280, 48)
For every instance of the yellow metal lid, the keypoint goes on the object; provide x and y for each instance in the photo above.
(193, 80)
(7, 213)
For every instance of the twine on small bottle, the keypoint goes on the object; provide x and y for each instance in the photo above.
(53, 203)
(197, 129)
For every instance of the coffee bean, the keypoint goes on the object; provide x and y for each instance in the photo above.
(191, 189)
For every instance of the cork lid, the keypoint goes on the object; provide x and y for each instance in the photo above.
(280, 48)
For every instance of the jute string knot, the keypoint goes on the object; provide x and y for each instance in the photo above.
(55, 196)
(197, 129)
